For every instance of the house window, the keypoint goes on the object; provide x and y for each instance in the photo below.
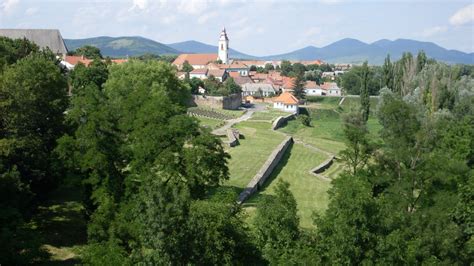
(222, 46)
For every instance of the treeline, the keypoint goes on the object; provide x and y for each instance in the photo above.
(151, 175)
(33, 98)
(399, 75)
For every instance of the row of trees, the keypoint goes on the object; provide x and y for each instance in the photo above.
(398, 76)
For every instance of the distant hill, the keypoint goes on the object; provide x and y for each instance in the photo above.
(343, 51)
(195, 47)
(122, 46)
(354, 51)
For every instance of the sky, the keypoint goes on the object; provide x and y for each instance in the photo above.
(256, 27)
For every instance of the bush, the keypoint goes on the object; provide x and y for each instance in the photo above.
(305, 120)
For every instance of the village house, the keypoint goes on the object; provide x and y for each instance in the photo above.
(219, 74)
(286, 102)
(331, 89)
(258, 90)
(313, 89)
(240, 80)
(200, 73)
(197, 61)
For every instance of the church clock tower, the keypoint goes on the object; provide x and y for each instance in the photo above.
(224, 47)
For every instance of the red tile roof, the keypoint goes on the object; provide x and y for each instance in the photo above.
(195, 59)
(199, 71)
(74, 60)
(286, 98)
(310, 85)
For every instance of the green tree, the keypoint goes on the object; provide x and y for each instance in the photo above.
(364, 92)
(358, 148)
(89, 51)
(269, 66)
(299, 86)
(387, 70)
(285, 67)
(421, 61)
(187, 67)
(32, 103)
(299, 69)
(276, 224)
(231, 86)
(13, 50)
(195, 83)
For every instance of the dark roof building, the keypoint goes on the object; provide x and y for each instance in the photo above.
(43, 38)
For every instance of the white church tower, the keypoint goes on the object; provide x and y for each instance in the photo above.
(224, 47)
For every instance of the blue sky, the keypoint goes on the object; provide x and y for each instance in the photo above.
(256, 27)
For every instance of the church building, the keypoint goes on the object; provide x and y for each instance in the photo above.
(214, 62)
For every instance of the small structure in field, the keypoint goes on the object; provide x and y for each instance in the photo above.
(286, 102)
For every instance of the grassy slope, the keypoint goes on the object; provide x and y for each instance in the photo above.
(210, 123)
(253, 151)
(310, 191)
(268, 115)
(326, 132)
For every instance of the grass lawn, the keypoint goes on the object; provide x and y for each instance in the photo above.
(310, 191)
(326, 131)
(247, 158)
(217, 113)
(209, 122)
(268, 115)
(61, 225)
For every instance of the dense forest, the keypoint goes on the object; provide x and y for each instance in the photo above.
(151, 175)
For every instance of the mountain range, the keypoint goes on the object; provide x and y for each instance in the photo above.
(344, 51)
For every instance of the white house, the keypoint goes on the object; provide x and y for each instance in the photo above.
(258, 89)
(331, 89)
(200, 73)
(313, 89)
(286, 102)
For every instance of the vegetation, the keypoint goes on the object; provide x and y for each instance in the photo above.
(245, 162)
(157, 188)
(309, 191)
(88, 51)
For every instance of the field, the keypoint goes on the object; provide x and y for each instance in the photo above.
(247, 158)
(210, 122)
(268, 115)
(310, 191)
(326, 131)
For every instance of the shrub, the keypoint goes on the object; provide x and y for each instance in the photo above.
(305, 120)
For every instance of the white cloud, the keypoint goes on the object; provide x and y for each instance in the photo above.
(204, 18)
(310, 32)
(8, 5)
(463, 16)
(139, 4)
(433, 31)
(31, 11)
(192, 6)
(168, 19)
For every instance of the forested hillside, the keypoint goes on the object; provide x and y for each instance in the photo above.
(150, 176)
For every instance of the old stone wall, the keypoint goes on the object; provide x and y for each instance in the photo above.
(232, 137)
(230, 102)
(280, 121)
(265, 171)
(323, 166)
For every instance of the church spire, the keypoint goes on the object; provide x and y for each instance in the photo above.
(223, 52)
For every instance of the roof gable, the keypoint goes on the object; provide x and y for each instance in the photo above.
(42, 37)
